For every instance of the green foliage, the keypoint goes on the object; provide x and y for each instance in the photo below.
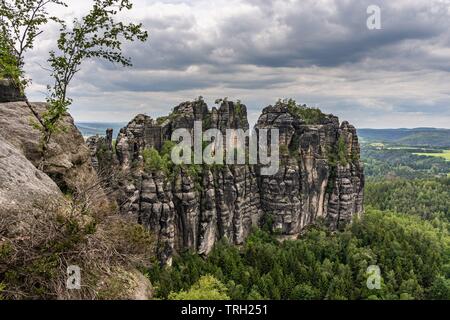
(305, 292)
(411, 253)
(21, 22)
(402, 162)
(162, 161)
(73, 231)
(161, 120)
(284, 150)
(238, 106)
(294, 146)
(337, 155)
(9, 65)
(206, 288)
(342, 151)
(2, 287)
(207, 122)
(267, 223)
(332, 178)
(96, 35)
(239, 109)
(153, 161)
(426, 198)
(311, 116)
(440, 289)
(5, 250)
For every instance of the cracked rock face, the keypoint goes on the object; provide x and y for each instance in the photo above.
(22, 185)
(310, 183)
(68, 161)
(320, 177)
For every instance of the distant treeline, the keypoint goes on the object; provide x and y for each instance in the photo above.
(384, 162)
(410, 137)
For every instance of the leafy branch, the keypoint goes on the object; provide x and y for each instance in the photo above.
(20, 25)
(96, 35)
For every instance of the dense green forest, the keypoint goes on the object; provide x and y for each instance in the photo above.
(404, 232)
(425, 198)
(413, 256)
(400, 162)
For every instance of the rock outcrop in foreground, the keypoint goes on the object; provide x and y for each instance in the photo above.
(190, 208)
(22, 185)
(68, 158)
(60, 216)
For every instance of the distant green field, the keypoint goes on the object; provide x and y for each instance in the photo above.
(445, 155)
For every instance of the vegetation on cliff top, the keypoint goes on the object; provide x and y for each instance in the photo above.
(162, 161)
(311, 116)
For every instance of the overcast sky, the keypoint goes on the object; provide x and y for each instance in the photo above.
(318, 52)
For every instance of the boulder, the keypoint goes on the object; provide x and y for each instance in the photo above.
(22, 186)
(68, 160)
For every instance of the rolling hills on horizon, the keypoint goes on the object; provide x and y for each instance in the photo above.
(88, 129)
(435, 137)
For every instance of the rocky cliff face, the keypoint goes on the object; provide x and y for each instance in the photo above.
(191, 207)
(51, 208)
(22, 185)
(9, 93)
(68, 160)
(316, 179)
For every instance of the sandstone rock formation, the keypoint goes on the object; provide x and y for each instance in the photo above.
(21, 184)
(312, 182)
(68, 160)
(41, 218)
(190, 208)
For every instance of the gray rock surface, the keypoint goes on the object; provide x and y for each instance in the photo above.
(192, 210)
(21, 184)
(68, 160)
(312, 182)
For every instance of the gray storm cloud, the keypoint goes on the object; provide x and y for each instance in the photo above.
(318, 52)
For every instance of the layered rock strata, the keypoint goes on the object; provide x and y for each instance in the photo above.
(192, 207)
